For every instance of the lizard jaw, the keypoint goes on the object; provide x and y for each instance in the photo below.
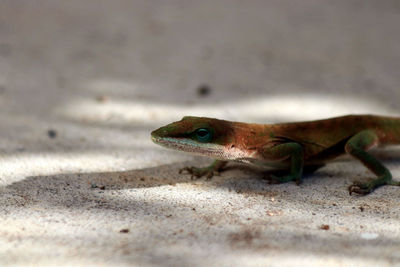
(193, 147)
(203, 149)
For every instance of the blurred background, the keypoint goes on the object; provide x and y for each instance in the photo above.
(82, 83)
(149, 58)
(94, 67)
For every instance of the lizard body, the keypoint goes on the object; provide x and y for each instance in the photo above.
(285, 145)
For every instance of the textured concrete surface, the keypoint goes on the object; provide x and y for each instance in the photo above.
(82, 83)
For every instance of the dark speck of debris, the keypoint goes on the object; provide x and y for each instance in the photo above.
(361, 208)
(102, 98)
(142, 179)
(52, 133)
(324, 227)
(99, 187)
(203, 90)
(124, 231)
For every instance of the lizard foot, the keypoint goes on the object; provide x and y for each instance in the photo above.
(391, 182)
(199, 172)
(361, 188)
(284, 179)
(366, 188)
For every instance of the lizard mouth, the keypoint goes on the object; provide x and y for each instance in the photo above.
(188, 145)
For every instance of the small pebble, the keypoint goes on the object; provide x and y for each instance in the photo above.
(324, 227)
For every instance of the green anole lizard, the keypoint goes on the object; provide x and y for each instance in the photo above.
(291, 146)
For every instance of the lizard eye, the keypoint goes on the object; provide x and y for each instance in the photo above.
(203, 135)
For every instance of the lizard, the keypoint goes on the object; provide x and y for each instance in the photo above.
(293, 146)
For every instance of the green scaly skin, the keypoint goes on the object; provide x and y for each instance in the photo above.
(293, 146)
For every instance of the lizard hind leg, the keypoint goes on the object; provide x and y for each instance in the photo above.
(357, 146)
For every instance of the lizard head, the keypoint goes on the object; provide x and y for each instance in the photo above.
(199, 135)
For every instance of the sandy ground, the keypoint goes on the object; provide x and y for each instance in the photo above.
(82, 84)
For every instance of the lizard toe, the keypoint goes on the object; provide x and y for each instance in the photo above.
(197, 173)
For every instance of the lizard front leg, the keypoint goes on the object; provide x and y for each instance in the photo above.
(357, 147)
(209, 171)
(287, 151)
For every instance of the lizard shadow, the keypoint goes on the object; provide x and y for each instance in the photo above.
(238, 178)
(57, 191)
(168, 174)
